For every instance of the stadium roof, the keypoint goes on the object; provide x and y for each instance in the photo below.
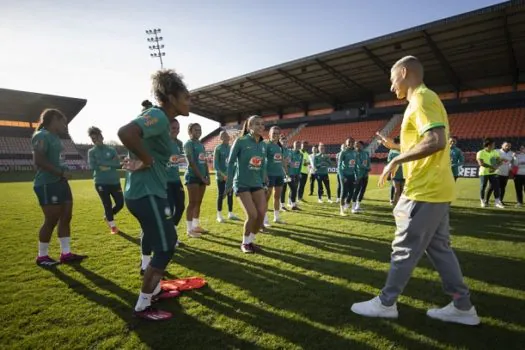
(26, 106)
(456, 51)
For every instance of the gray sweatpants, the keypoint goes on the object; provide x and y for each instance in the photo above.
(423, 227)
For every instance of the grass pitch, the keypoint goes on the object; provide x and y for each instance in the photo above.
(296, 294)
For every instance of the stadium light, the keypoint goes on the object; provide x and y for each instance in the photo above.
(155, 39)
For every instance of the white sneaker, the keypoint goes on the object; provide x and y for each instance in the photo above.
(337, 200)
(330, 201)
(267, 224)
(232, 216)
(519, 205)
(278, 221)
(354, 208)
(220, 219)
(450, 313)
(499, 205)
(193, 234)
(343, 213)
(358, 206)
(319, 201)
(374, 308)
(483, 203)
(345, 207)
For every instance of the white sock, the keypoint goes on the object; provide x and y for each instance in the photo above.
(64, 244)
(195, 222)
(146, 259)
(111, 223)
(252, 237)
(189, 225)
(43, 248)
(276, 214)
(157, 289)
(246, 239)
(219, 214)
(143, 302)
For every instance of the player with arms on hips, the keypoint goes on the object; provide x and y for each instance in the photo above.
(52, 188)
(148, 140)
(422, 213)
(104, 161)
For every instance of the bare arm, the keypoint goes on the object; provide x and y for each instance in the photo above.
(41, 162)
(433, 141)
(388, 142)
(131, 137)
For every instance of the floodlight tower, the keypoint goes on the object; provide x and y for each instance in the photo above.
(156, 47)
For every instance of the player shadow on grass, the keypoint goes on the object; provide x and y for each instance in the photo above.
(153, 334)
(328, 303)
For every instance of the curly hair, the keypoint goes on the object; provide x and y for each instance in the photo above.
(165, 83)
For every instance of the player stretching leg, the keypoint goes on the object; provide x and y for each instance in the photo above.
(104, 161)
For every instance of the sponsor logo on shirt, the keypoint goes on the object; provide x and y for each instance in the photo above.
(277, 157)
(177, 159)
(352, 162)
(202, 157)
(149, 120)
(255, 162)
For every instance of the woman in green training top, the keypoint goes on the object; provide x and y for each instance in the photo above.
(294, 171)
(197, 177)
(286, 162)
(339, 186)
(346, 169)
(148, 140)
(398, 180)
(220, 164)
(247, 176)
(362, 170)
(321, 163)
(275, 171)
(104, 161)
(52, 188)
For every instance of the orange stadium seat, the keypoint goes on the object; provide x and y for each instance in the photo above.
(338, 133)
(477, 125)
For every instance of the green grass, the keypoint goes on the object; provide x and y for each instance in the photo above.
(297, 294)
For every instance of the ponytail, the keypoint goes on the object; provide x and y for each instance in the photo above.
(244, 129)
(47, 116)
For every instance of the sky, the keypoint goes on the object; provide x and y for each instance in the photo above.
(97, 50)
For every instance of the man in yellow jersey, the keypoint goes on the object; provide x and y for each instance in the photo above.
(422, 213)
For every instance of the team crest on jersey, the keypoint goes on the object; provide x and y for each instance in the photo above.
(256, 162)
(149, 120)
(352, 162)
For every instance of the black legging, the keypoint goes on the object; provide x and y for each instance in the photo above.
(503, 180)
(360, 189)
(302, 185)
(313, 179)
(519, 183)
(283, 193)
(293, 184)
(106, 192)
(221, 185)
(323, 179)
(176, 197)
(493, 182)
(348, 184)
(338, 187)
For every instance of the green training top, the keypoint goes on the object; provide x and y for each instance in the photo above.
(50, 145)
(457, 160)
(363, 164)
(321, 163)
(104, 161)
(195, 151)
(296, 159)
(176, 158)
(247, 163)
(274, 159)
(347, 163)
(399, 173)
(151, 181)
(220, 160)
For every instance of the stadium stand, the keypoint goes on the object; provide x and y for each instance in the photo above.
(20, 113)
